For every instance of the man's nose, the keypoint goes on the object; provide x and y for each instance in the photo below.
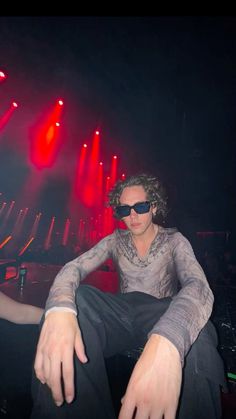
(133, 212)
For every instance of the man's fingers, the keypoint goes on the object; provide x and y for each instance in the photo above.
(38, 368)
(68, 377)
(79, 348)
(54, 359)
(127, 409)
(54, 381)
(143, 413)
(171, 412)
(46, 369)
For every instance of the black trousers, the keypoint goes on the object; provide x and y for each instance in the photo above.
(111, 324)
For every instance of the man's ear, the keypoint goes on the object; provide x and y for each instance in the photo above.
(154, 209)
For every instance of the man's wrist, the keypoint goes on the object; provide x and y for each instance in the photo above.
(61, 309)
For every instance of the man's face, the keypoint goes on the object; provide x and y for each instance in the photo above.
(136, 223)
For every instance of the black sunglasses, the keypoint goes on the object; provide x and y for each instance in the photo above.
(139, 208)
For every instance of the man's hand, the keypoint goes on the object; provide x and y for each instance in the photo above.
(60, 336)
(154, 386)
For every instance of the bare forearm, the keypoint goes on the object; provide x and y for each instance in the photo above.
(29, 314)
(16, 312)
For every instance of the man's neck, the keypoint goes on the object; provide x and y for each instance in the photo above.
(143, 241)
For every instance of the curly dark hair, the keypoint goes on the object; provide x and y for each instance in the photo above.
(153, 188)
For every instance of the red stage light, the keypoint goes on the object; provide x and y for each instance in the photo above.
(46, 139)
(60, 102)
(14, 104)
(2, 76)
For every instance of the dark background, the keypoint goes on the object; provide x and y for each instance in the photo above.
(161, 89)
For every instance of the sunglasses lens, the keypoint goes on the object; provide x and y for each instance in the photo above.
(142, 207)
(123, 211)
(139, 208)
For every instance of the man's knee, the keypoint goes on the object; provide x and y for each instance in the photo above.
(86, 295)
(89, 302)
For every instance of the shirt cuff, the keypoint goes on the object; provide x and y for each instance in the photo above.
(63, 309)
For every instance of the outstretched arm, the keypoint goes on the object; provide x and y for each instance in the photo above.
(16, 312)
(191, 307)
(60, 336)
(154, 386)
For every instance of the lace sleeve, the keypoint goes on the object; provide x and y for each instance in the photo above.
(62, 292)
(191, 308)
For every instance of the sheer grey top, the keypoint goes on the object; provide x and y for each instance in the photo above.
(169, 269)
